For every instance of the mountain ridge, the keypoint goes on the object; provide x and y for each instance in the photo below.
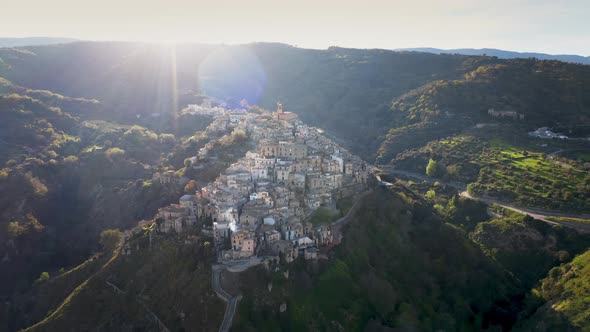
(34, 41)
(502, 54)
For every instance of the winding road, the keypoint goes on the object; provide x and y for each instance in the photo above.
(232, 301)
(539, 214)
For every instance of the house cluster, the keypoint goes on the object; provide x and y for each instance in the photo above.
(505, 114)
(177, 216)
(545, 132)
(261, 204)
(166, 177)
(205, 108)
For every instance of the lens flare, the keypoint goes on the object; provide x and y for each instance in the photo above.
(232, 75)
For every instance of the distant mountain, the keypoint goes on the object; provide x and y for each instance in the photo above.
(33, 41)
(502, 54)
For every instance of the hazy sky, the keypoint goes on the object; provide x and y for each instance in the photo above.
(523, 25)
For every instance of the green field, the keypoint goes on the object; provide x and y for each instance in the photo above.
(529, 178)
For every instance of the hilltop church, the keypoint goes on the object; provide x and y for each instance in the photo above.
(285, 116)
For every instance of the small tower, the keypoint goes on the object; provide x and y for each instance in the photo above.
(279, 108)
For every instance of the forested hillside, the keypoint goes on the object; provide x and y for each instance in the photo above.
(546, 94)
(84, 126)
(372, 99)
(346, 91)
(69, 171)
(416, 264)
(165, 285)
(565, 290)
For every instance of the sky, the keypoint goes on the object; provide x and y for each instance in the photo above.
(556, 27)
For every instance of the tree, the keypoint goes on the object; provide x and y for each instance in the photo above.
(454, 170)
(114, 153)
(238, 135)
(187, 162)
(71, 160)
(110, 238)
(430, 195)
(38, 186)
(432, 168)
(167, 139)
(29, 225)
(43, 277)
(14, 229)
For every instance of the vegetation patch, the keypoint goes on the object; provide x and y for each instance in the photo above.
(563, 295)
(496, 166)
(398, 267)
(324, 215)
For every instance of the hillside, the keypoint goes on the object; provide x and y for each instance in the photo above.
(409, 263)
(346, 91)
(565, 291)
(85, 127)
(502, 54)
(65, 177)
(546, 94)
(165, 275)
(31, 41)
(499, 163)
(45, 296)
(460, 125)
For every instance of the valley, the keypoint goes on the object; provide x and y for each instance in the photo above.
(385, 191)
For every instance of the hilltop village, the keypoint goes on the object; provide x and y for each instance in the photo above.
(262, 204)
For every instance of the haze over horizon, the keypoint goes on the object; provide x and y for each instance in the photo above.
(524, 26)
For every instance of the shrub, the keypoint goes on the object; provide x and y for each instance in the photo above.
(430, 195)
(238, 135)
(167, 139)
(38, 186)
(71, 160)
(115, 152)
(432, 168)
(14, 229)
(43, 277)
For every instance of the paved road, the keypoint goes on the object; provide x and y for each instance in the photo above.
(535, 213)
(242, 266)
(230, 312)
(232, 301)
(540, 215)
(554, 153)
